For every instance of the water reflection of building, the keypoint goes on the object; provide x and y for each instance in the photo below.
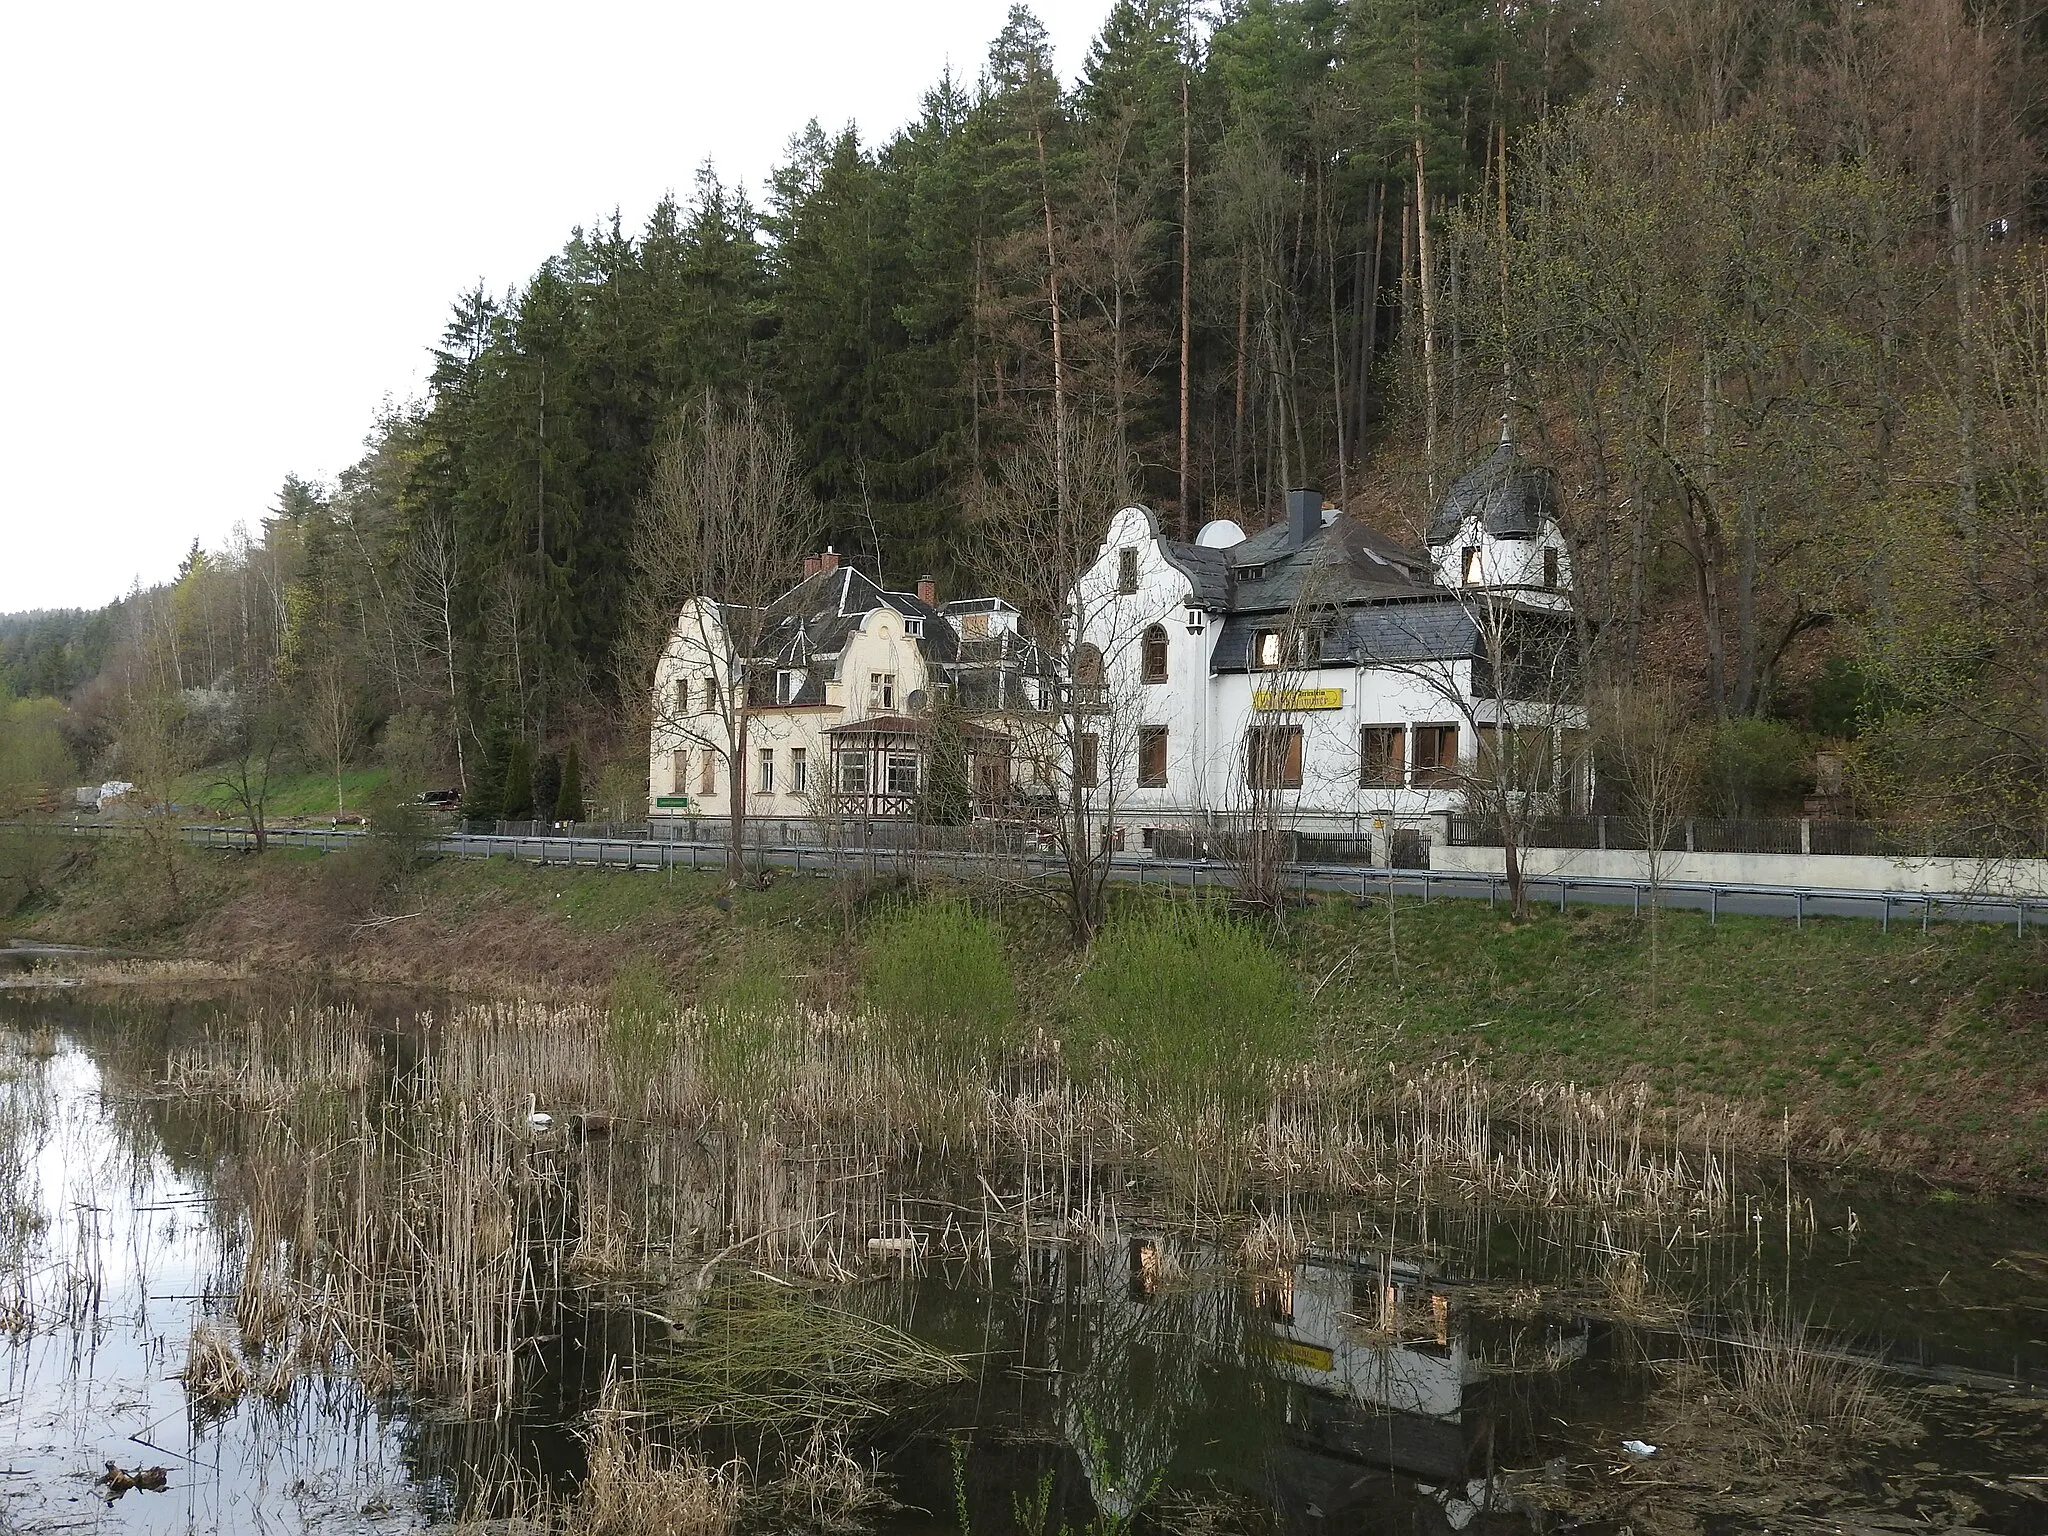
(1389, 1380)
(1347, 1392)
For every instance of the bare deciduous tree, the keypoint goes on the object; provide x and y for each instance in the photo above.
(1517, 691)
(1039, 526)
(1642, 739)
(721, 533)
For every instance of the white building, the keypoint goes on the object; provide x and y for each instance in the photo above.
(1322, 663)
(839, 700)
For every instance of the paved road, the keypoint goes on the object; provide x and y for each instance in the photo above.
(1795, 902)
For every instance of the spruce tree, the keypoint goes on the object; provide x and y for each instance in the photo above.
(517, 801)
(569, 799)
(486, 798)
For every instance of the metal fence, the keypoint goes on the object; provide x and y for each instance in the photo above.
(1714, 899)
(1699, 834)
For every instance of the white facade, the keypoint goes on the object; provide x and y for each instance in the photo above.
(1208, 705)
(838, 718)
(788, 759)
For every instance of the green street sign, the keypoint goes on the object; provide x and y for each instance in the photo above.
(672, 802)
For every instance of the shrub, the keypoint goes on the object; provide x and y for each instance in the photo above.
(640, 1007)
(938, 967)
(1755, 767)
(1189, 1000)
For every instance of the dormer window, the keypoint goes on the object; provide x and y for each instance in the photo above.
(1127, 571)
(1251, 573)
(1468, 565)
(914, 627)
(789, 682)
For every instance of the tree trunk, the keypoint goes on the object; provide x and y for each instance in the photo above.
(1187, 214)
(1426, 274)
(1336, 344)
(1369, 331)
(1052, 280)
(1244, 300)
(736, 856)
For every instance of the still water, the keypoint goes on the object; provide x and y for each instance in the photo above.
(1440, 1367)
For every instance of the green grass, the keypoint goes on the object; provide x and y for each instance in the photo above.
(290, 795)
(938, 967)
(1926, 1049)
(1935, 1038)
(1196, 1001)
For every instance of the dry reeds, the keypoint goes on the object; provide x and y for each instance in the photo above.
(634, 1487)
(214, 1376)
(1797, 1394)
(412, 1219)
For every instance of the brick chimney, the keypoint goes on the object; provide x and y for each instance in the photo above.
(928, 590)
(812, 565)
(829, 561)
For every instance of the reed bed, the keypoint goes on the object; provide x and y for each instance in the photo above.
(395, 1213)
(637, 1486)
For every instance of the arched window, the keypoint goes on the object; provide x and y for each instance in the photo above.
(1088, 688)
(1152, 656)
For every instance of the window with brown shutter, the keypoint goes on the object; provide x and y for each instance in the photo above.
(1127, 571)
(708, 784)
(1436, 754)
(1152, 665)
(1086, 749)
(1382, 754)
(1151, 757)
(1273, 757)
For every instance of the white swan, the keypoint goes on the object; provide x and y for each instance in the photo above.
(538, 1121)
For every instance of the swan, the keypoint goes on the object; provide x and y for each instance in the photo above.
(538, 1121)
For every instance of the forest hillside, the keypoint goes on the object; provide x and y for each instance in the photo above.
(1760, 280)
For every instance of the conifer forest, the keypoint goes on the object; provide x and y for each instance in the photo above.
(1762, 281)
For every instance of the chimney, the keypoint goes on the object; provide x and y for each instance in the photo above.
(1304, 516)
(829, 561)
(812, 565)
(928, 590)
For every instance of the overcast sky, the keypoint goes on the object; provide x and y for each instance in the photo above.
(232, 230)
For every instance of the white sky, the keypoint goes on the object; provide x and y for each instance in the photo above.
(232, 229)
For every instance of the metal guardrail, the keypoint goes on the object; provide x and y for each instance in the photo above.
(1714, 898)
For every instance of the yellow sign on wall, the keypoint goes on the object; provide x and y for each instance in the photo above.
(1298, 698)
(1293, 1352)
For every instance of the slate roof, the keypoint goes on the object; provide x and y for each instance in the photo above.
(904, 725)
(810, 624)
(1344, 562)
(1511, 496)
(1435, 628)
(1377, 600)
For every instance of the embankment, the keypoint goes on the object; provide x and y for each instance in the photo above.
(1913, 1052)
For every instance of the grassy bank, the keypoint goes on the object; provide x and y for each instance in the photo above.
(1907, 1050)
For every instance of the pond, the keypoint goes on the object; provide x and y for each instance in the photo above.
(327, 1277)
